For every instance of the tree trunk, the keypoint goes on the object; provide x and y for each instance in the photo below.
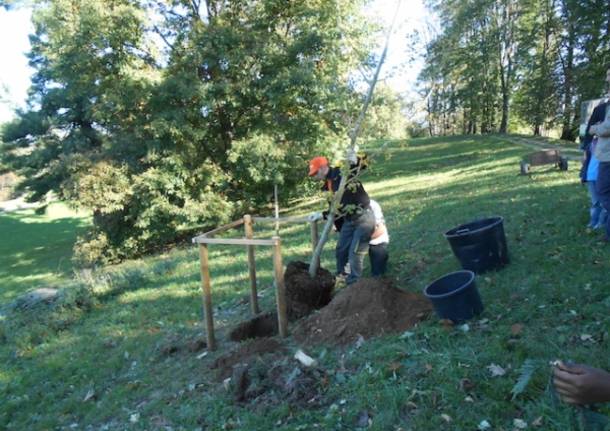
(567, 131)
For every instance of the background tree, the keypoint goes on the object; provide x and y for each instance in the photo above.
(550, 54)
(162, 117)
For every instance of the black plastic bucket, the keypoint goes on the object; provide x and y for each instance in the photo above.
(455, 296)
(480, 245)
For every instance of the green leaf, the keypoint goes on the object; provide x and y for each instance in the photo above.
(526, 373)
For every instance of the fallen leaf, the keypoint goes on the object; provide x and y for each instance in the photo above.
(516, 329)
(465, 327)
(446, 417)
(359, 341)
(519, 424)
(586, 337)
(394, 366)
(90, 394)
(411, 405)
(364, 420)
(537, 422)
(428, 367)
(446, 323)
(407, 334)
(466, 385)
(134, 418)
(496, 370)
(469, 399)
(484, 425)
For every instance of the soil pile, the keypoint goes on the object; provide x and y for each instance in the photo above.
(305, 294)
(370, 307)
(262, 373)
(246, 354)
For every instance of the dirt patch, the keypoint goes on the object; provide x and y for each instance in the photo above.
(370, 307)
(274, 381)
(246, 354)
(305, 294)
(264, 325)
(176, 343)
(282, 381)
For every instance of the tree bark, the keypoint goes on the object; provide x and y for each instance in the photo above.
(567, 131)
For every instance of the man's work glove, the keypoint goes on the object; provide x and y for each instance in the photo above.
(315, 216)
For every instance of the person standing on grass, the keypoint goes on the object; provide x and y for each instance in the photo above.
(588, 175)
(354, 211)
(599, 125)
(378, 245)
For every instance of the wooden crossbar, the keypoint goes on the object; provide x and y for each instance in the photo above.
(220, 229)
(291, 219)
(232, 241)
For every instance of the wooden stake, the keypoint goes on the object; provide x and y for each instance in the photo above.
(314, 239)
(251, 265)
(280, 288)
(207, 295)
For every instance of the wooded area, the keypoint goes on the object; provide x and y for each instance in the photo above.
(499, 64)
(163, 118)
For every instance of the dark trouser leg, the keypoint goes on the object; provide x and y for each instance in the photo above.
(364, 226)
(344, 242)
(603, 190)
(378, 255)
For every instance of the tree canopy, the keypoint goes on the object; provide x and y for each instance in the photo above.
(163, 116)
(497, 62)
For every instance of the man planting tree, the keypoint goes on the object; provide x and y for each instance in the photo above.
(354, 218)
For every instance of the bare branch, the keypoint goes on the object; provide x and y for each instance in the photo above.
(160, 33)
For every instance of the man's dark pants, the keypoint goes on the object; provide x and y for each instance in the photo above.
(353, 243)
(603, 190)
(378, 255)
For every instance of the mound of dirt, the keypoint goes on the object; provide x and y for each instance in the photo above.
(371, 307)
(305, 294)
(246, 354)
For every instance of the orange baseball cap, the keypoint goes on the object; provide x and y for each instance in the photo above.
(316, 163)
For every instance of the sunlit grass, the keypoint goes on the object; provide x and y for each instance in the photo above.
(36, 249)
(555, 286)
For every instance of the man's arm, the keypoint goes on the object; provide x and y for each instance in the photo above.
(380, 229)
(598, 116)
(581, 384)
(602, 129)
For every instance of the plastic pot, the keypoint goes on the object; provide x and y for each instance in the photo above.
(455, 296)
(480, 245)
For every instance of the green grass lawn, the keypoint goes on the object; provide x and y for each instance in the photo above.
(35, 249)
(118, 356)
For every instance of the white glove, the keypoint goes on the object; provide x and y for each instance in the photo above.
(314, 216)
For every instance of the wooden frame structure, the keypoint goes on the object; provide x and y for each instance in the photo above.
(248, 240)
